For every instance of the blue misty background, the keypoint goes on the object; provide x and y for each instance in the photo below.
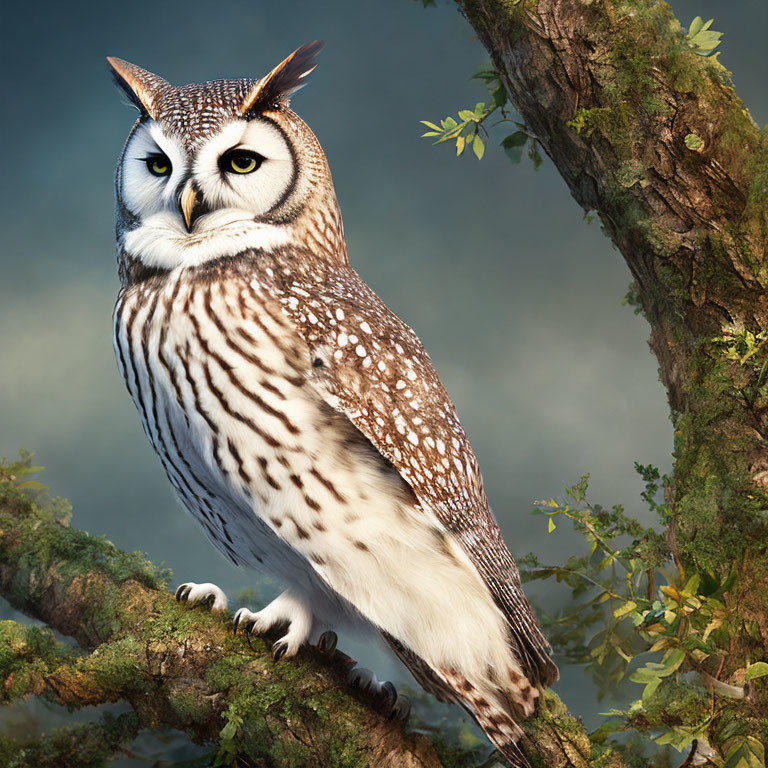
(516, 296)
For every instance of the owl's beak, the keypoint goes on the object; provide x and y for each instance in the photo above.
(187, 204)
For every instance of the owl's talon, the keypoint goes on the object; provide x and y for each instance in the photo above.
(326, 643)
(193, 593)
(279, 649)
(363, 678)
(284, 609)
(384, 696)
(240, 621)
(246, 621)
(388, 694)
(401, 708)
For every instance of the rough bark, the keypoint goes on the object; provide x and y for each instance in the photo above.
(182, 668)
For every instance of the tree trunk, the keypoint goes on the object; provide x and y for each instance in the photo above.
(652, 137)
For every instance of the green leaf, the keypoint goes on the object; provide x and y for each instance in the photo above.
(485, 74)
(671, 661)
(459, 145)
(535, 155)
(649, 690)
(516, 139)
(693, 141)
(702, 39)
(678, 738)
(430, 133)
(745, 753)
(551, 525)
(467, 115)
(479, 149)
(759, 669)
(696, 25)
(430, 125)
(513, 145)
(611, 725)
(692, 585)
(651, 671)
(32, 485)
(623, 610)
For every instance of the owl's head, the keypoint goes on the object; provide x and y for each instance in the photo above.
(214, 169)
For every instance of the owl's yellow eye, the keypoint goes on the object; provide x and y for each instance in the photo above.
(241, 161)
(158, 165)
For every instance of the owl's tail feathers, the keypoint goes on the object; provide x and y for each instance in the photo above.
(507, 745)
(495, 706)
(496, 710)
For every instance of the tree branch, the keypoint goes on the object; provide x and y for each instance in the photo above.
(79, 746)
(182, 668)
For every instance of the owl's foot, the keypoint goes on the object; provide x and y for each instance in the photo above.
(326, 643)
(200, 593)
(384, 696)
(286, 608)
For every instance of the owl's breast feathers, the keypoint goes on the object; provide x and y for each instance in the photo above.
(369, 365)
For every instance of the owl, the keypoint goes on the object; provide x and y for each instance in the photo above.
(297, 418)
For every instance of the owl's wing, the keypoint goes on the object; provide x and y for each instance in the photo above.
(369, 365)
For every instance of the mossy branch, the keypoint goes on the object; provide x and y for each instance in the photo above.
(177, 667)
(78, 746)
(182, 668)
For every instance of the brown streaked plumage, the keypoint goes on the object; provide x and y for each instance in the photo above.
(296, 416)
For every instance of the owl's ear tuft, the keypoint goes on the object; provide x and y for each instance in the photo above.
(284, 80)
(139, 85)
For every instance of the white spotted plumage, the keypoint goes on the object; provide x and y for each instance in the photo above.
(298, 419)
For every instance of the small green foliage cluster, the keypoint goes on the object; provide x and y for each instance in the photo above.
(632, 299)
(471, 129)
(750, 350)
(466, 133)
(701, 38)
(587, 121)
(741, 344)
(634, 600)
(228, 737)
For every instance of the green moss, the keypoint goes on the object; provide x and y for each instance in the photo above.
(226, 672)
(587, 121)
(720, 512)
(27, 653)
(345, 751)
(188, 706)
(82, 746)
(74, 553)
(630, 173)
(119, 665)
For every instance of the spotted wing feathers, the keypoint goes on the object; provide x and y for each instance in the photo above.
(377, 372)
